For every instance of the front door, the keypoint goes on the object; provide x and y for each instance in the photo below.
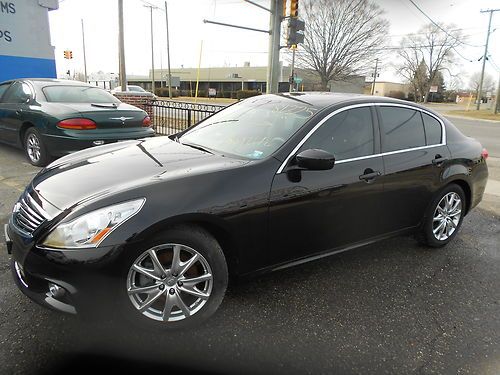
(317, 211)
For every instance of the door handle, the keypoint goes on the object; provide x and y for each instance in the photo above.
(369, 175)
(438, 160)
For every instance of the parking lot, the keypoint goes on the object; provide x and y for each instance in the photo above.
(391, 307)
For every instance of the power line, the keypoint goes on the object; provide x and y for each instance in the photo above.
(439, 26)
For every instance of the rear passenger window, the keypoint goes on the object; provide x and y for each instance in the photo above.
(347, 135)
(432, 129)
(402, 128)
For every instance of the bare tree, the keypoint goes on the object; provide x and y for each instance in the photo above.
(433, 47)
(488, 82)
(341, 36)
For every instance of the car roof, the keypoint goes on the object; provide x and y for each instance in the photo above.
(326, 99)
(50, 81)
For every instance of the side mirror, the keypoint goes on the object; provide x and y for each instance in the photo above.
(315, 160)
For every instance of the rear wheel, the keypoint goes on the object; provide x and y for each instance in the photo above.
(35, 148)
(177, 281)
(444, 217)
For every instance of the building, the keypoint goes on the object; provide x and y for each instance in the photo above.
(222, 79)
(25, 49)
(385, 88)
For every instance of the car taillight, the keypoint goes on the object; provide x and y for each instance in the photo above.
(485, 154)
(77, 124)
(147, 121)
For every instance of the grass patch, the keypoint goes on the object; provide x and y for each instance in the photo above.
(481, 114)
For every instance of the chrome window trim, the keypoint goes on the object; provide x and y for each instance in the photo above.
(360, 105)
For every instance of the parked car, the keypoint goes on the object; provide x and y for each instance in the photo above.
(153, 228)
(50, 118)
(133, 90)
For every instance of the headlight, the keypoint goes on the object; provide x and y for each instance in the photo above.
(91, 229)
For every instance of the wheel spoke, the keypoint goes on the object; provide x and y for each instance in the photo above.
(440, 210)
(150, 300)
(145, 272)
(442, 231)
(142, 289)
(194, 292)
(156, 262)
(438, 218)
(181, 305)
(187, 265)
(196, 280)
(176, 260)
(438, 228)
(455, 213)
(169, 304)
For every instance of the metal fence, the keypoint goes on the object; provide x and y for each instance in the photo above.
(170, 117)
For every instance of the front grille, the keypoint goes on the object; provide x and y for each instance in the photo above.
(29, 215)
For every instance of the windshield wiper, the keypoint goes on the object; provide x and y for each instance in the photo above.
(111, 105)
(198, 147)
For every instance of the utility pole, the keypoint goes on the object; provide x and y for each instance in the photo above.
(168, 55)
(497, 99)
(292, 70)
(375, 76)
(84, 54)
(151, 7)
(273, 63)
(485, 56)
(121, 47)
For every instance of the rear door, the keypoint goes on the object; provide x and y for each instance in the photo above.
(15, 101)
(414, 153)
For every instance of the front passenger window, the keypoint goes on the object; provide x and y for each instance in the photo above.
(347, 135)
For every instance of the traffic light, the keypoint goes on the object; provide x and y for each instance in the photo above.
(295, 33)
(294, 8)
(68, 54)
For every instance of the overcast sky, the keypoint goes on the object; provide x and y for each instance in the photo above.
(230, 47)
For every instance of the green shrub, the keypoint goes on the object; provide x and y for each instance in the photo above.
(242, 94)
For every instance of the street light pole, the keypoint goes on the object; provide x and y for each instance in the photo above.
(168, 55)
(273, 64)
(84, 54)
(121, 47)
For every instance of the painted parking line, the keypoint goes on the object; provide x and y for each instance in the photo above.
(12, 184)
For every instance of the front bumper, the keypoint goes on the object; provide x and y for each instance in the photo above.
(72, 141)
(89, 277)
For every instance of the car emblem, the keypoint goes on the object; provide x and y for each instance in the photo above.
(122, 119)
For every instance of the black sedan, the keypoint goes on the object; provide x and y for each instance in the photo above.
(50, 118)
(153, 229)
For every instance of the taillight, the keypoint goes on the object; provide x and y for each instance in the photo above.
(485, 154)
(77, 124)
(147, 121)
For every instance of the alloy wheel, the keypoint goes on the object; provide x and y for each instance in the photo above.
(447, 216)
(169, 282)
(33, 148)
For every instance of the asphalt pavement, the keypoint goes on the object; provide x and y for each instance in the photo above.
(390, 308)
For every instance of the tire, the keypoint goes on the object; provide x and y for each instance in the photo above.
(173, 285)
(437, 232)
(35, 149)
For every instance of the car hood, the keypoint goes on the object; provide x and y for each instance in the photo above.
(96, 172)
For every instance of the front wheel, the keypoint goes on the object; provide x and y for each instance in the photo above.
(444, 217)
(177, 281)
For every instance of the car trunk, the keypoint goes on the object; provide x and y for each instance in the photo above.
(107, 116)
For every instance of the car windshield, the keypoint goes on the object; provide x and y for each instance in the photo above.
(253, 128)
(78, 94)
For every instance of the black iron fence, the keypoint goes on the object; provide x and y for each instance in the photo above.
(170, 117)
